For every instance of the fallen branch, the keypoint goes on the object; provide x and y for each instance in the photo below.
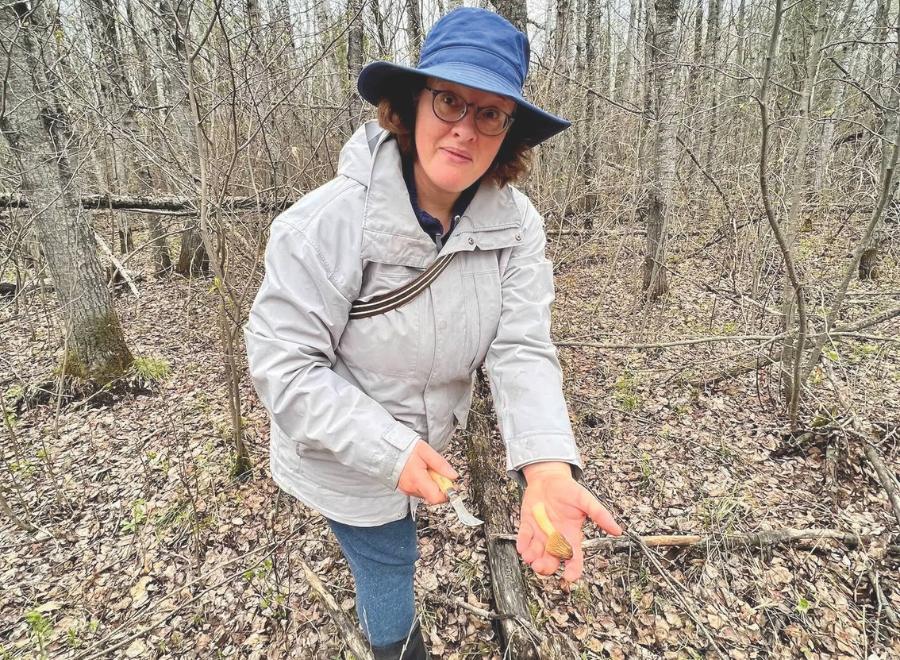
(758, 539)
(884, 476)
(118, 265)
(348, 629)
(667, 344)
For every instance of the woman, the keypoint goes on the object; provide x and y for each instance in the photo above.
(362, 405)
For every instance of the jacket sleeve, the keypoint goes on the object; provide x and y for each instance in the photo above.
(295, 325)
(525, 376)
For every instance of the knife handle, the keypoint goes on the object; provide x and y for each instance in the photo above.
(443, 482)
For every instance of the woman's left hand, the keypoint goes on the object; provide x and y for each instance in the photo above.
(568, 503)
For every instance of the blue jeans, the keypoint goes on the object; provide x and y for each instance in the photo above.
(382, 560)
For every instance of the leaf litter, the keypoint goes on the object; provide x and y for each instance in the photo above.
(147, 548)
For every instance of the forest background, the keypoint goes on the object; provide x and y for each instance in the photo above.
(724, 230)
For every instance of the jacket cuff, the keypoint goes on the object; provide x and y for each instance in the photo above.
(399, 444)
(540, 448)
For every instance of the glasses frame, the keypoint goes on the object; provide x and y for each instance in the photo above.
(466, 105)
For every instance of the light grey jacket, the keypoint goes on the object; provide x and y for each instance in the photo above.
(348, 398)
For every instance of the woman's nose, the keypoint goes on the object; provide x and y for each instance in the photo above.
(465, 128)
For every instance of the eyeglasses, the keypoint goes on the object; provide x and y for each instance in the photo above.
(451, 107)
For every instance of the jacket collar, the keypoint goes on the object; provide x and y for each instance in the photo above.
(391, 232)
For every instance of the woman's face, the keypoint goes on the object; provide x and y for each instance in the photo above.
(453, 156)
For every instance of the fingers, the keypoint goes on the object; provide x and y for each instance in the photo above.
(429, 490)
(414, 478)
(598, 513)
(529, 542)
(575, 565)
(545, 564)
(435, 461)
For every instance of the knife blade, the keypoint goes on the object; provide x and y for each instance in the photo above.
(455, 498)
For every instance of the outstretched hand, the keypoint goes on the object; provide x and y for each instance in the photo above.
(415, 480)
(568, 504)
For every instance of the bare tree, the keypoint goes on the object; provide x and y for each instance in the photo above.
(37, 130)
(414, 22)
(515, 11)
(354, 58)
(661, 180)
(192, 258)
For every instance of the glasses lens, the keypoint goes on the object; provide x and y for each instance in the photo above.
(491, 121)
(448, 106)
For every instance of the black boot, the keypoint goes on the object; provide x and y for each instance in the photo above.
(412, 648)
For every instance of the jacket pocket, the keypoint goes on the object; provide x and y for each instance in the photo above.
(487, 302)
(320, 468)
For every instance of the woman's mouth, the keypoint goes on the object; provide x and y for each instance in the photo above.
(456, 156)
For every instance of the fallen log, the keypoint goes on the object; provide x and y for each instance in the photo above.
(161, 203)
(517, 635)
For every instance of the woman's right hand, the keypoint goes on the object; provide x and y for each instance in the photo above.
(415, 480)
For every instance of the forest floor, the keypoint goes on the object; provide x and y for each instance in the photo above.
(149, 549)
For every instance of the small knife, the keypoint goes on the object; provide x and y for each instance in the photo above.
(455, 498)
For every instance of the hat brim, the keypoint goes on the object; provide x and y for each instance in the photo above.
(531, 123)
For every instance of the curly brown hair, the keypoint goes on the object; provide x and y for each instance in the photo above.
(397, 115)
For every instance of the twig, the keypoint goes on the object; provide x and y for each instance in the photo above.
(96, 651)
(460, 603)
(884, 476)
(792, 275)
(677, 589)
(679, 342)
(882, 601)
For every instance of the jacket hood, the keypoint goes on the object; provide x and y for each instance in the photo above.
(372, 158)
(357, 156)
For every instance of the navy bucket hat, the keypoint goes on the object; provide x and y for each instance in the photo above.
(476, 48)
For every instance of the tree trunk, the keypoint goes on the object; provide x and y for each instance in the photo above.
(515, 11)
(192, 257)
(590, 77)
(832, 102)
(354, 59)
(694, 75)
(710, 57)
(384, 52)
(147, 182)
(662, 179)
(37, 132)
(129, 171)
(885, 123)
(414, 22)
(790, 351)
(561, 32)
(627, 57)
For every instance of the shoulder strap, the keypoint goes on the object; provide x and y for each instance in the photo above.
(394, 299)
